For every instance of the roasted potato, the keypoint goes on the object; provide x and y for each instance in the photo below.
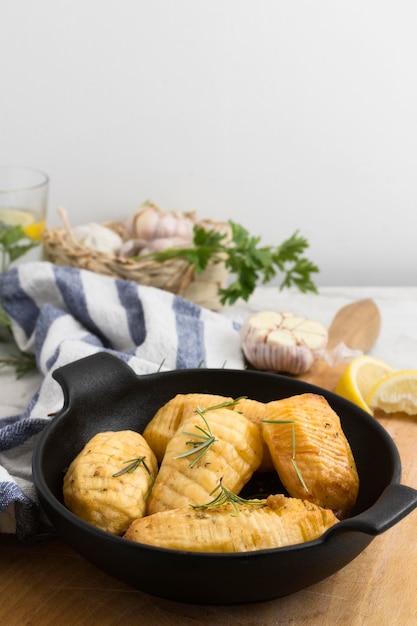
(280, 522)
(98, 486)
(311, 453)
(168, 418)
(234, 453)
(255, 411)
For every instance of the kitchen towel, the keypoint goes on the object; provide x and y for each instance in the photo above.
(62, 314)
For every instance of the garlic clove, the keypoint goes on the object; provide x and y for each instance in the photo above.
(282, 342)
(97, 237)
(162, 243)
(142, 224)
(150, 222)
(139, 247)
(131, 248)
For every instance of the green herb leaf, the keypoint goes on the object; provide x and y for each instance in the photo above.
(293, 460)
(22, 362)
(222, 405)
(249, 262)
(4, 320)
(133, 466)
(201, 443)
(14, 243)
(225, 496)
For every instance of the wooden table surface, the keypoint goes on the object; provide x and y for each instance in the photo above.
(48, 583)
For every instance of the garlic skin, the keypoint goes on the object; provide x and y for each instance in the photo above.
(282, 342)
(131, 247)
(139, 247)
(150, 222)
(162, 243)
(97, 237)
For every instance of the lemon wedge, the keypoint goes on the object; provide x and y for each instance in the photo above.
(395, 393)
(35, 231)
(360, 376)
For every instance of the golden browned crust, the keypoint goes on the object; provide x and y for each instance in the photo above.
(327, 472)
(93, 492)
(234, 456)
(168, 418)
(281, 522)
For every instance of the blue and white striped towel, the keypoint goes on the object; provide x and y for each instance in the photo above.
(62, 314)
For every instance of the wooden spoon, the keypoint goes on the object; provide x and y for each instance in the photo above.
(357, 325)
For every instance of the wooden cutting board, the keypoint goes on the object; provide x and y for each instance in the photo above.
(357, 325)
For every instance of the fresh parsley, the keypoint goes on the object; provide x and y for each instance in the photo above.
(248, 261)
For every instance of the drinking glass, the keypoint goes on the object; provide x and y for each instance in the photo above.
(23, 206)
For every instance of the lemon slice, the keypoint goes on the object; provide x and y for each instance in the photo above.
(395, 393)
(360, 376)
(15, 217)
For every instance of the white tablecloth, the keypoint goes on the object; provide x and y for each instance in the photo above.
(396, 344)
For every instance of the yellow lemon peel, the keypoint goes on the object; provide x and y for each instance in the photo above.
(360, 376)
(35, 231)
(395, 393)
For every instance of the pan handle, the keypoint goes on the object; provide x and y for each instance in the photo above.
(395, 503)
(94, 379)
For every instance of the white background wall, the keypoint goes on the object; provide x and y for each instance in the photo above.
(278, 114)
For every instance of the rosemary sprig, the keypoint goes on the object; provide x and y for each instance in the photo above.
(4, 320)
(293, 461)
(132, 467)
(224, 496)
(134, 464)
(201, 443)
(222, 405)
(23, 363)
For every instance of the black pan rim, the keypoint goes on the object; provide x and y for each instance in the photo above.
(49, 500)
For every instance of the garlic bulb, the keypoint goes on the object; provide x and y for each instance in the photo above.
(162, 243)
(97, 237)
(138, 247)
(282, 342)
(131, 247)
(150, 222)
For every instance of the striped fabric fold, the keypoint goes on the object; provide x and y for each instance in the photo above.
(62, 314)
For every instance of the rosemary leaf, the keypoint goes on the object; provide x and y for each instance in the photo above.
(201, 443)
(203, 447)
(226, 496)
(222, 405)
(297, 471)
(293, 461)
(23, 363)
(133, 465)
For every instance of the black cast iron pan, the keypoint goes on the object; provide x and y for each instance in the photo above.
(101, 392)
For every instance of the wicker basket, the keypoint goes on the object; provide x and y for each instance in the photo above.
(176, 275)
